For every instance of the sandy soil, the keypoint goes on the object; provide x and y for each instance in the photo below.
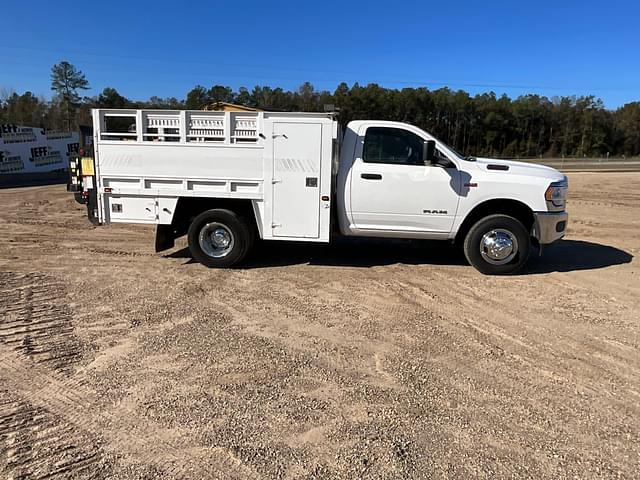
(365, 360)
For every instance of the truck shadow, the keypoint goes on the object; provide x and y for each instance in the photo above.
(563, 256)
(570, 255)
(356, 253)
(346, 252)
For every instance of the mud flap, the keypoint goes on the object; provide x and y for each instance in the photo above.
(91, 199)
(165, 237)
(537, 245)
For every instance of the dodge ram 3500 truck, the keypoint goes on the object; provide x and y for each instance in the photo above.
(227, 178)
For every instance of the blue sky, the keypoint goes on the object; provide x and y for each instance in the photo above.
(143, 48)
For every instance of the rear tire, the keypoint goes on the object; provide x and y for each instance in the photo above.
(497, 245)
(219, 238)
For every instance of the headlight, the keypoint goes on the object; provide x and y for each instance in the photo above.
(556, 195)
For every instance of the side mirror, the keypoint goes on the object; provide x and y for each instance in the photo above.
(429, 152)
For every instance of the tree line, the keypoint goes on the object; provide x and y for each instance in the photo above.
(483, 124)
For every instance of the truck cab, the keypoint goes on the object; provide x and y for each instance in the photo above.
(390, 185)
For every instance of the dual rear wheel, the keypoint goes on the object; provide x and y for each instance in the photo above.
(219, 238)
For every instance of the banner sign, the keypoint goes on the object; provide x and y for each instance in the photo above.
(32, 150)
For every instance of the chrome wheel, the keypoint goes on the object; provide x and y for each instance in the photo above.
(216, 240)
(498, 246)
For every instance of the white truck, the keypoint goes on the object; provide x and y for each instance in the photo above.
(227, 178)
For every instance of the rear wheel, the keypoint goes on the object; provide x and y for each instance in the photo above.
(497, 245)
(219, 238)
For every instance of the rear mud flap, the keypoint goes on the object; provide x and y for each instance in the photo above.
(165, 237)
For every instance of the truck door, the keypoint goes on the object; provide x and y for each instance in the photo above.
(392, 190)
(296, 179)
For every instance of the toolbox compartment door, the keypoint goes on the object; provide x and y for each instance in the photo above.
(297, 154)
(129, 208)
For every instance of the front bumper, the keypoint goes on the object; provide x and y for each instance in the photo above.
(549, 226)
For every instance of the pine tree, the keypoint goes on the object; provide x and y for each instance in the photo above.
(65, 81)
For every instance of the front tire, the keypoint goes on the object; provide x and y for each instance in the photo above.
(219, 238)
(497, 245)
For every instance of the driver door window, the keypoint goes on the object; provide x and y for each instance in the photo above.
(392, 146)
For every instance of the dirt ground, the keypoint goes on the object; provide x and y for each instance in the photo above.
(361, 360)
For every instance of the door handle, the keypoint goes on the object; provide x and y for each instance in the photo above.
(371, 176)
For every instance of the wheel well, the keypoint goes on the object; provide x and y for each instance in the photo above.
(188, 208)
(513, 208)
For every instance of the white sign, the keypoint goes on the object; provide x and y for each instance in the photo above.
(32, 150)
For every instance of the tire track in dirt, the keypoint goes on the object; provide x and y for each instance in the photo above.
(38, 223)
(37, 444)
(51, 424)
(118, 430)
(119, 253)
(33, 324)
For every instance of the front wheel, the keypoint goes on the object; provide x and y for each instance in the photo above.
(497, 245)
(219, 238)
